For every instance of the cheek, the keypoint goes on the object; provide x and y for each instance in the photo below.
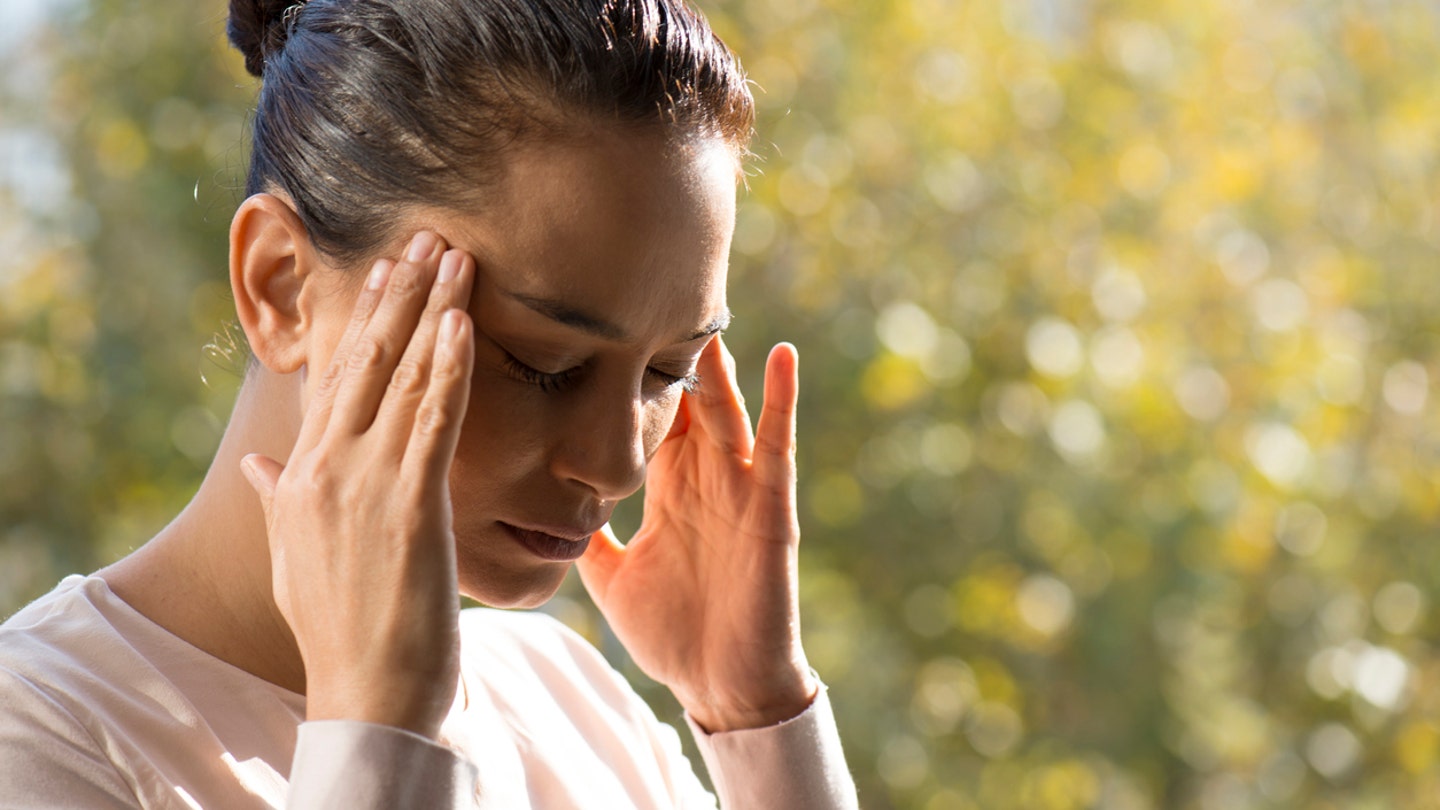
(502, 438)
(660, 417)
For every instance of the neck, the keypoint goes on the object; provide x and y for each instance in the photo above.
(206, 576)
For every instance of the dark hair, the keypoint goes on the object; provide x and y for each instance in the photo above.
(370, 106)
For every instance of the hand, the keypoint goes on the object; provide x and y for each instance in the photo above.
(704, 597)
(359, 520)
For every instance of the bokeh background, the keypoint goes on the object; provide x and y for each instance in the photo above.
(1118, 324)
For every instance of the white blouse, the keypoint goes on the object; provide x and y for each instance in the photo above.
(101, 707)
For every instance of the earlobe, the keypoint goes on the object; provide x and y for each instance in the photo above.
(270, 260)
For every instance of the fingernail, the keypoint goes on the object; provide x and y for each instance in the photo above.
(421, 246)
(248, 468)
(379, 275)
(449, 266)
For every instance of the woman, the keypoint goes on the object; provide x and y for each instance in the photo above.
(496, 231)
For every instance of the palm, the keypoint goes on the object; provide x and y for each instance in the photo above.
(704, 596)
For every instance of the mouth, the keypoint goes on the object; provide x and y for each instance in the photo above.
(553, 543)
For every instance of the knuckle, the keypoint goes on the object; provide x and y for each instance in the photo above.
(775, 416)
(433, 420)
(766, 446)
(333, 373)
(409, 377)
(316, 473)
(735, 448)
(368, 354)
(313, 485)
(446, 370)
(408, 282)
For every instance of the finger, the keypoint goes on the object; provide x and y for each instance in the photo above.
(323, 400)
(719, 407)
(411, 378)
(263, 473)
(600, 561)
(380, 345)
(774, 459)
(436, 430)
(681, 423)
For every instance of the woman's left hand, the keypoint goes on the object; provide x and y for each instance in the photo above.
(704, 597)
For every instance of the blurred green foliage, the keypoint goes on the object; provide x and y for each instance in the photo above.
(1117, 324)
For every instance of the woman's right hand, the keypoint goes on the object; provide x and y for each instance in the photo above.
(359, 520)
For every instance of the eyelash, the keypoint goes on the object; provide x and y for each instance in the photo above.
(549, 383)
(553, 383)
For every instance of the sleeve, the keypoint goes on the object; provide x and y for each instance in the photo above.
(795, 765)
(357, 766)
(48, 758)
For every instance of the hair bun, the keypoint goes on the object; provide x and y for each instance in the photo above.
(258, 28)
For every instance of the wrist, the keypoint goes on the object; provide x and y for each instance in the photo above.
(407, 718)
(754, 708)
(420, 709)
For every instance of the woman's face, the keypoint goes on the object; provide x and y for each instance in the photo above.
(600, 277)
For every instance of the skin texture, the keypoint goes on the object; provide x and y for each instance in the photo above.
(379, 487)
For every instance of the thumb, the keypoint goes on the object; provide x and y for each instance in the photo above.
(600, 562)
(262, 472)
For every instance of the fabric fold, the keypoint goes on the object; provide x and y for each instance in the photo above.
(357, 766)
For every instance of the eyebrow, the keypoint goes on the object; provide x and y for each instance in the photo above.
(563, 313)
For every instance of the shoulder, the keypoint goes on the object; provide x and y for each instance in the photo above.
(42, 730)
(48, 741)
(49, 756)
(86, 653)
(78, 630)
(60, 654)
(53, 634)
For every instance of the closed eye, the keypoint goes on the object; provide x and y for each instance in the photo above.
(687, 382)
(547, 382)
(555, 382)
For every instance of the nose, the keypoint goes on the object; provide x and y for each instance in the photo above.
(604, 448)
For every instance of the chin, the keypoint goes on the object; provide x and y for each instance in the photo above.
(484, 582)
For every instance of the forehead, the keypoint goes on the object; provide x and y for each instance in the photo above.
(629, 225)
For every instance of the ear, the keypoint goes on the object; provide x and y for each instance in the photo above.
(271, 259)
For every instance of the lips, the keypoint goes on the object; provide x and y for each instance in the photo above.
(553, 543)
